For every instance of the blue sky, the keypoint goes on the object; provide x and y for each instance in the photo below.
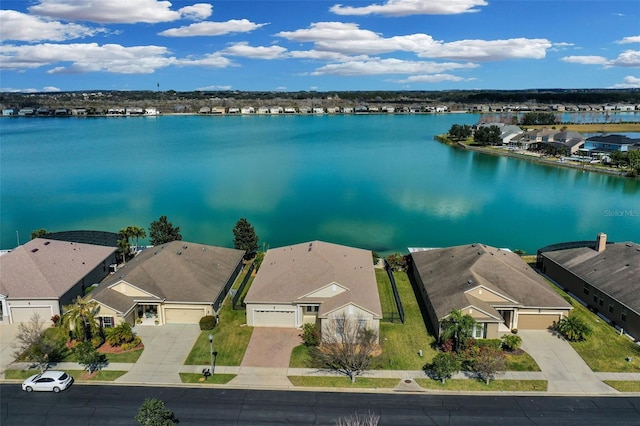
(66, 45)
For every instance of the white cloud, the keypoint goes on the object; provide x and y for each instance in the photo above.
(432, 78)
(350, 39)
(197, 12)
(50, 89)
(111, 11)
(22, 27)
(630, 82)
(387, 66)
(29, 90)
(628, 58)
(324, 56)
(585, 60)
(212, 28)
(212, 60)
(213, 88)
(411, 7)
(632, 39)
(256, 52)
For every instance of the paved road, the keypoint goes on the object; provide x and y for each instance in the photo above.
(117, 405)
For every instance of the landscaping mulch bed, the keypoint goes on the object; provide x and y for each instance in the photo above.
(108, 349)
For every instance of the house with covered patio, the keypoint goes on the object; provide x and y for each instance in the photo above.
(173, 283)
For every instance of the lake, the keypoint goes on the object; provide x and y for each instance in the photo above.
(380, 182)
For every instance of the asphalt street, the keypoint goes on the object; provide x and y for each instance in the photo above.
(117, 405)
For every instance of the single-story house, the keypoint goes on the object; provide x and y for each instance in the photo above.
(314, 282)
(609, 143)
(173, 283)
(604, 275)
(43, 275)
(495, 286)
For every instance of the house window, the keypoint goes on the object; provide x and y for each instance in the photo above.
(595, 297)
(478, 331)
(586, 290)
(107, 322)
(601, 302)
(623, 314)
(611, 308)
(311, 309)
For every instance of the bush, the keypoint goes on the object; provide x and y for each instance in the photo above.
(489, 343)
(511, 342)
(153, 412)
(207, 322)
(488, 362)
(444, 366)
(55, 320)
(310, 335)
(131, 345)
(572, 328)
(87, 356)
(97, 341)
(120, 334)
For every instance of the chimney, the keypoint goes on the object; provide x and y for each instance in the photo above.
(601, 242)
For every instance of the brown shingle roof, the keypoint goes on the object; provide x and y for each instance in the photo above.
(44, 268)
(290, 273)
(178, 271)
(448, 273)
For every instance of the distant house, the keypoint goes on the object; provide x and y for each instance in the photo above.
(43, 275)
(604, 275)
(549, 139)
(315, 282)
(247, 110)
(10, 111)
(605, 144)
(507, 131)
(174, 283)
(495, 286)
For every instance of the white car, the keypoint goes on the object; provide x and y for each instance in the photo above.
(48, 381)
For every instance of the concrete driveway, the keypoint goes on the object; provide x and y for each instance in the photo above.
(8, 334)
(563, 368)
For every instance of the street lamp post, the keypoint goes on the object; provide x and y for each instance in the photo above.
(211, 351)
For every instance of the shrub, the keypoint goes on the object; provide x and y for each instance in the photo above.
(488, 362)
(97, 341)
(87, 356)
(572, 328)
(131, 345)
(207, 322)
(511, 342)
(120, 334)
(444, 366)
(153, 412)
(55, 320)
(489, 343)
(310, 335)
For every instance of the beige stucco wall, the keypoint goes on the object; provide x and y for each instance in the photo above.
(125, 288)
(352, 312)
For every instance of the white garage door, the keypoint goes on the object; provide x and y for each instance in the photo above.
(183, 315)
(25, 313)
(274, 318)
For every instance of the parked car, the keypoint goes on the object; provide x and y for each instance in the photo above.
(48, 381)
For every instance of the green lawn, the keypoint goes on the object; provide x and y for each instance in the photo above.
(386, 294)
(230, 337)
(401, 342)
(216, 379)
(624, 385)
(342, 382)
(102, 375)
(299, 357)
(478, 385)
(521, 362)
(605, 349)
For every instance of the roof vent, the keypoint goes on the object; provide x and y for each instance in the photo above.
(46, 243)
(179, 253)
(34, 250)
(473, 245)
(184, 247)
(470, 282)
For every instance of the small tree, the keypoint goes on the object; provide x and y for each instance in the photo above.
(245, 238)
(120, 334)
(488, 362)
(153, 412)
(162, 231)
(511, 342)
(347, 347)
(39, 233)
(31, 344)
(444, 366)
(573, 328)
(457, 327)
(310, 335)
(397, 262)
(87, 356)
(80, 318)
(376, 257)
(258, 260)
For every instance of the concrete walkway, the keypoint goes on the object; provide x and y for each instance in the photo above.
(563, 368)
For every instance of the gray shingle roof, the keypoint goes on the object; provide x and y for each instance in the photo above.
(178, 271)
(44, 268)
(290, 273)
(615, 271)
(448, 273)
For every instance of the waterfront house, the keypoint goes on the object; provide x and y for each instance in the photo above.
(315, 282)
(603, 275)
(9, 111)
(605, 144)
(43, 275)
(247, 110)
(173, 283)
(289, 110)
(318, 110)
(495, 286)
(234, 110)
(263, 110)
(204, 110)
(218, 110)
(276, 110)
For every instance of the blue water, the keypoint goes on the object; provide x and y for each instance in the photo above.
(379, 182)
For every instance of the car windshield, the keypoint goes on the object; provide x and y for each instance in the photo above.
(63, 377)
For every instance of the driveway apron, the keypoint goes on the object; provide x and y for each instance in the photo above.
(8, 334)
(165, 350)
(563, 368)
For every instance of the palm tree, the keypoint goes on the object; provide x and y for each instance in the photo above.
(137, 232)
(80, 317)
(457, 327)
(124, 247)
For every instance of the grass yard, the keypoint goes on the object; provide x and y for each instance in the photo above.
(605, 349)
(401, 342)
(100, 376)
(624, 385)
(299, 357)
(471, 385)
(597, 127)
(343, 382)
(230, 337)
(216, 379)
(521, 362)
(387, 301)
